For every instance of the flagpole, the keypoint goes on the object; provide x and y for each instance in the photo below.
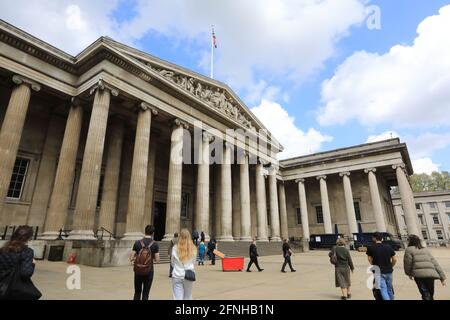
(212, 52)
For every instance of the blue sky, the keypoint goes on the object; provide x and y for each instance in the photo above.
(312, 65)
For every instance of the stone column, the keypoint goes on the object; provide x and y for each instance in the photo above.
(236, 203)
(86, 203)
(46, 173)
(303, 212)
(325, 205)
(108, 207)
(274, 210)
(65, 172)
(376, 200)
(283, 211)
(175, 180)
(244, 187)
(261, 205)
(148, 214)
(349, 205)
(11, 131)
(138, 182)
(409, 207)
(202, 193)
(226, 195)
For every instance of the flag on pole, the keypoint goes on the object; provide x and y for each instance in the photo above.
(214, 38)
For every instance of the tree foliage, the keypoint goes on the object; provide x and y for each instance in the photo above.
(436, 181)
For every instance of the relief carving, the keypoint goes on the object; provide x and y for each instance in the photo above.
(215, 97)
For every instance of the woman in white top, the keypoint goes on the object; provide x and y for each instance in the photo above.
(183, 258)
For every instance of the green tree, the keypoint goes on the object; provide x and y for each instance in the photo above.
(436, 181)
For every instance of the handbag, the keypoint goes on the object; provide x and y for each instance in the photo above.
(333, 258)
(14, 287)
(189, 275)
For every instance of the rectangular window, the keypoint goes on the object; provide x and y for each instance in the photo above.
(418, 206)
(435, 219)
(421, 219)
(432, 205)
(299, 216)
(447, 204)
(184, 204)
(357, 211)
(439, 235)
(319, 214)
(424, 234)
(18, 178)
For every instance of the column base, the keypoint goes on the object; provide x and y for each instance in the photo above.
(262, 239)
(275, 239)
(246, 239)
(133, 236)
(49, 235)
(167, 237)
(305, 245)
(225, 238)
(81, 235)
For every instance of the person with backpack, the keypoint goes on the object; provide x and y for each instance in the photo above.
(383, 258)
(169, 252)
(145, 252)
(17, 266)
(183, 260)
(287, 253)
(201, 253)
(422, 267)
(342, 260)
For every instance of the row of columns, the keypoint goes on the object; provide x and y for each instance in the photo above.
(405, 192)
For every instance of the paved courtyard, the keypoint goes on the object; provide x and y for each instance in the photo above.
(314, 280)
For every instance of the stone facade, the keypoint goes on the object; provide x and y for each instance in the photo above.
(98, 142)
(433, 212)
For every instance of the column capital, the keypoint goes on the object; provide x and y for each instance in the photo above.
(263, 162)
(367, 170)
(399, 165)
(301, 180)
(18, 80)
(144, 106)
(324, 177)
(178, 122)
(76, 101)
(208, 137)
(345, 173)
(101, 85)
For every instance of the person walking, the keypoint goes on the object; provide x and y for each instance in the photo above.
(253, 257)
(195, 237)
(17, 266)
(422, 267)
(169, 252)
(212, 245)
(183, 259)
(202, 236)
(343, 264)
(201, 253)
(287, 253)
(145, 252)
(382, 256)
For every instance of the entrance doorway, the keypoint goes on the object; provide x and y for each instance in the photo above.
(159, 220)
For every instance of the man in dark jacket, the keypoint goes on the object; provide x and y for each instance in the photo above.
(211, 248)
(287, 252)
(253, 257)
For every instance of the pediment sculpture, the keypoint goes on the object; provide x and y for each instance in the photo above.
(214, 96)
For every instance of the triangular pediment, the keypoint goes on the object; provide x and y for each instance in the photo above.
(214, 93)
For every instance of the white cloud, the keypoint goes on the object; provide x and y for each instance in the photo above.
(406, 87)
(424, 165)
(295, 141)
(383, 136)
(270, 36)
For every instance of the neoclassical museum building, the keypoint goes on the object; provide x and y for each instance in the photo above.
(114, 139)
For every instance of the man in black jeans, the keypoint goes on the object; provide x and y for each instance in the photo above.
(143, 283)
(253, 257)
(287, 252)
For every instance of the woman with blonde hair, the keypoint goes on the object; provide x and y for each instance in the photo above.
(183, 260)
(342, 260)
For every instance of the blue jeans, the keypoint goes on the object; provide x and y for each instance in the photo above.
(386, 288)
